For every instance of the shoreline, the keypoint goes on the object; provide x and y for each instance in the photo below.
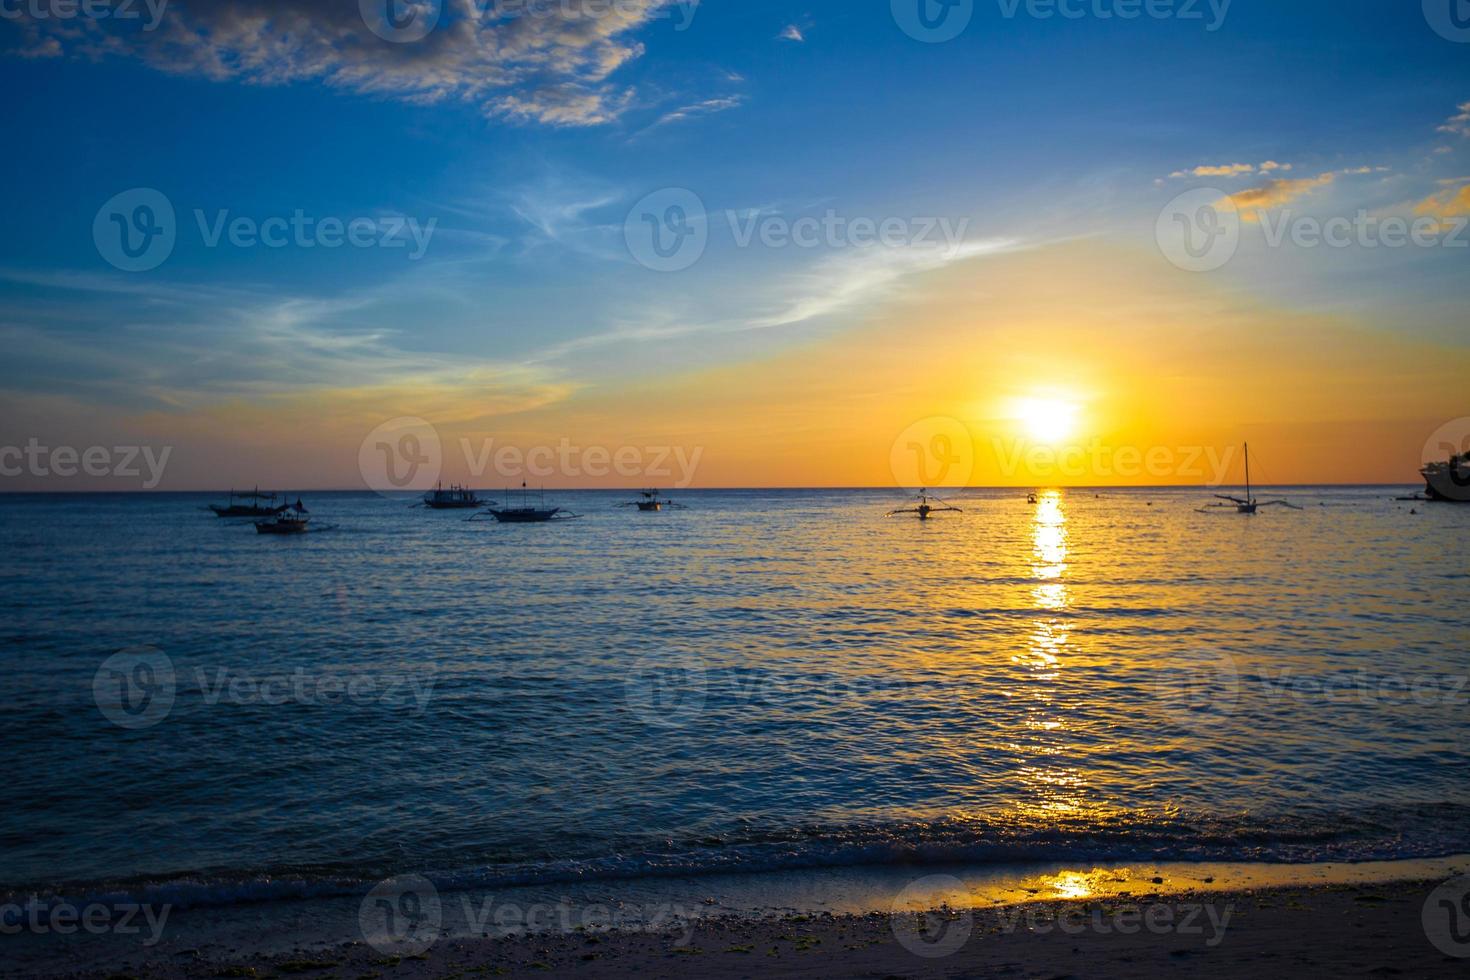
(878, 921)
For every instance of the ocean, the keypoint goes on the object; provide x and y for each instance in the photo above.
(762, 680)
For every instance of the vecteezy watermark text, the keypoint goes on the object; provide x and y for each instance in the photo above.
(937, 21)
(1202, 229)
(137, 230)
(406, 915)
(937, 932)
(408, 21)
(138, 688)
(35, 459)
(407, 453)
(94, 918)
(44, 10)
(669, 230)
(565, 459)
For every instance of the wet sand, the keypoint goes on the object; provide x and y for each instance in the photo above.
(1373, 929)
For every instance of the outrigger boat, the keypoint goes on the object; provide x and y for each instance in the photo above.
(926, 506)
(290, 519)
(254, 507)
(526, 512)
(1247, 504)
(453, 498)
(650, 503)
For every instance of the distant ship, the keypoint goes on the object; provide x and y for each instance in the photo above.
(1448, 481)
(452, 498)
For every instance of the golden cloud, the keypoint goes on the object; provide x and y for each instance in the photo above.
(1275, 193)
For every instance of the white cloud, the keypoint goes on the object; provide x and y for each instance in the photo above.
(547, 63)
(792, 33)
(706, 108)
(1458, 125)
(1231, 170)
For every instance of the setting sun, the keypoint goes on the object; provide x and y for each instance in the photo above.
(1047, 419)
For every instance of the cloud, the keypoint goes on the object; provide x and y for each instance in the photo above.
(1454, 202)
(546, 63)
(860, 276)
(1230, 170)
(1274, 193)
(792, 33)
(1458, 125)
(706, 108)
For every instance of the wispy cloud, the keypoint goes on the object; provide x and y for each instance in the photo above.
(1231, 170)
(862, 275)
(706, 108)
(1458, 125)
(792, 33)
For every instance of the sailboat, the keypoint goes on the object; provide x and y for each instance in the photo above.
(1247, 504)
(925, 505)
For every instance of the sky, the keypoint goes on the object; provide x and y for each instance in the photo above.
(337, 244)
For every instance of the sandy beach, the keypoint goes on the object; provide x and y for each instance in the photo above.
(1373, 928)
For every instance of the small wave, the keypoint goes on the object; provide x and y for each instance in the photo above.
(1429, 830)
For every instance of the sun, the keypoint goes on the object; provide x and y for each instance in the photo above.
(1048, 420)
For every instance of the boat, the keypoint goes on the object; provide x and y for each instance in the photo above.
(257, 505)
(1448, 482)
(290, 519)
(1247, 504)
(925, 505)
(526, 512)
(649, 502)
(454, 497)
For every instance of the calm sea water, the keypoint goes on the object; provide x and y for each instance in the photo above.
(762, 680)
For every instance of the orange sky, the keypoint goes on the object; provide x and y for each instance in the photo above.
(1162, 372)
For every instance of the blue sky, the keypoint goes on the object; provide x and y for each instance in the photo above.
(526, 149)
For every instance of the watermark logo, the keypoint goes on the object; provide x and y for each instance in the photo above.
(934, 452)
(1446, 917)
(1198, 689)
(135, 231)
(1199, 231)
(135, 688)
(401, 454)
(931, 933)
(1449, 18)
(667, 688)
(933, 21)
(401, 21)
(668, 230)
(401, 916)
(1450, 439)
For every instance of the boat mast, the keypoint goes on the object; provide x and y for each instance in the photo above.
(1247, 472)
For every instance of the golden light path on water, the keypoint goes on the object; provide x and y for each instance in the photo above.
(1054, 789)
